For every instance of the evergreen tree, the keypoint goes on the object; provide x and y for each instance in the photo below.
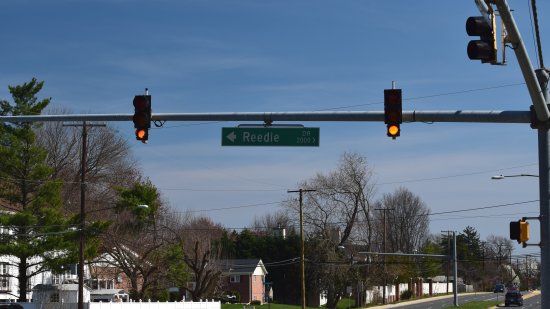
(470, 254)
(38, 239)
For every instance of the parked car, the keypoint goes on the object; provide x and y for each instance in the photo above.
(499, 288)
(513, 297)
(228, 299)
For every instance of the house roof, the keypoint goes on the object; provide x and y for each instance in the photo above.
(6, 205)
(108, 292)
(241, 266)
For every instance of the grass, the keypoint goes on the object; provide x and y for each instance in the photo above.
(476, 305)
(265, 306)
(344, 303)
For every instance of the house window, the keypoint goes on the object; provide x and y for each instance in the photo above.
(4, 280)
(100, 283)
(235, 278)
(4, 230)
(54, 298)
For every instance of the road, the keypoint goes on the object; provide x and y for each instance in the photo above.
(531, 300)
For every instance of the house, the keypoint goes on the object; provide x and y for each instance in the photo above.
(9, 286)
(62, 293)
(245, 277)
(104, 274)
(101, 277)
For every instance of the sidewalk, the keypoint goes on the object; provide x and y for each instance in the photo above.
(417, 301)
(423, 300)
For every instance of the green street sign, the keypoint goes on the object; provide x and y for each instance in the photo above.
(270, 136)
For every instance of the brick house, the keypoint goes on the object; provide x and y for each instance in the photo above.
(245, 277)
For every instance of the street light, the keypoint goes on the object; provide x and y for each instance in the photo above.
(498, 177)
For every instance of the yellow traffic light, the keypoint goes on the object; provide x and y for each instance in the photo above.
(519, 230)
(523, 231)
(141, 134)
(393, 130)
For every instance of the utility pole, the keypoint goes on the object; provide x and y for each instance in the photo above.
(483, 267)
(511, 268)
(82, 217)
(449, 259)
(455, 267)
(527, 271)
(384, 210)
(499, 256)
(302, 254)
(455, 272)
(83, 160)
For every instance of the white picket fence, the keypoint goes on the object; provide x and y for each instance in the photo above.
(132, 305)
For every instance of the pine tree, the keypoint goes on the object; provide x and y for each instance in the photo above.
(38, 239)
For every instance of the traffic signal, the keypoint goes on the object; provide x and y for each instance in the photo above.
(523, 231)
(519, 230)
(484, 49)
(393, 112)
(142, 117)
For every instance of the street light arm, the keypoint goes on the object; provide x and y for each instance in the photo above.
(498, 177)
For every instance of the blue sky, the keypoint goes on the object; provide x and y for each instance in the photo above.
(261, 56)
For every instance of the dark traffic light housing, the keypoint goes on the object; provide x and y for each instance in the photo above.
(142, 117)
(393, 112)
(484, 49)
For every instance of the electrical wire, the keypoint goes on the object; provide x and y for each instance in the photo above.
(456, 175)
(537, 32)
(428, 96)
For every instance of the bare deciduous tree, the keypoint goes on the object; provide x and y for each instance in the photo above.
(498, 250)
(340, 208)
(407, 221)
(109, 161)
(338, 214)
(201, 256)
(269, 222)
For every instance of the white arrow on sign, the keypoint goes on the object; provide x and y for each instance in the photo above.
(231, 136)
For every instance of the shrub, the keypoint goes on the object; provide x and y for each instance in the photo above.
(406, 295)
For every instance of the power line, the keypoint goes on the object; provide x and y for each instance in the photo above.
(456, 175)
(429, 96)
(535, 23)
(482, 208)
